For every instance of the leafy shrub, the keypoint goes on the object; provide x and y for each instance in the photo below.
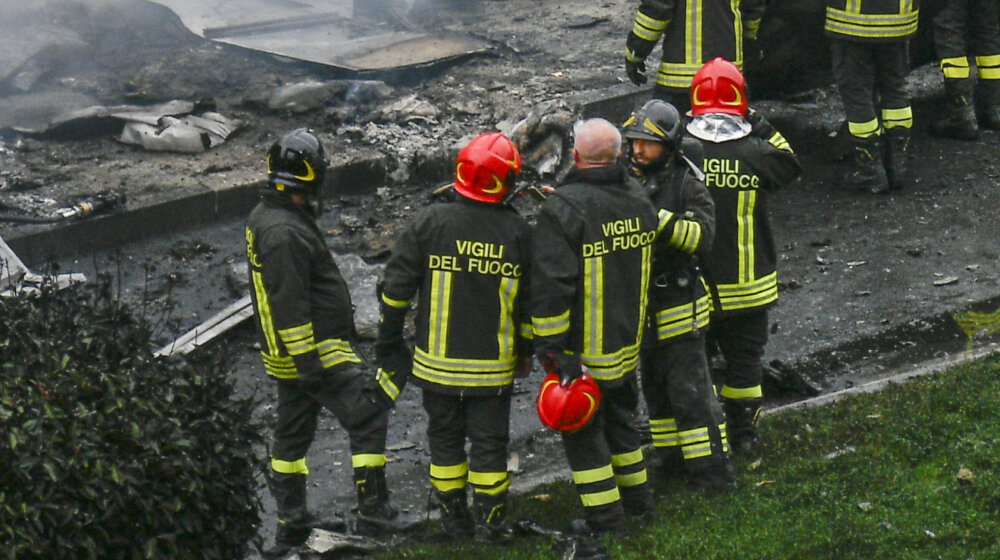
(108, 452)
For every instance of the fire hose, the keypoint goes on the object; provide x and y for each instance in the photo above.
(97, 204)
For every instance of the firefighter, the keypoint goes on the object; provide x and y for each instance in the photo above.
(693, 32)
(591, 258)
(958, 24)
(466, 263)
(685, 419)
(744, 159)
(305, 324)
(869, 46)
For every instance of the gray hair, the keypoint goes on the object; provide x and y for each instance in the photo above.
(597, 141)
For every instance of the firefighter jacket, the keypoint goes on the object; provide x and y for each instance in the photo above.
(467, 262)
(871, 21)
(591, 263)
(694, 32)
(679, 301)
(742, 163)
(305, 319)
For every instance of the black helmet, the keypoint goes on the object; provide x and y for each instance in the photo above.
(656, 120)
(297, 161)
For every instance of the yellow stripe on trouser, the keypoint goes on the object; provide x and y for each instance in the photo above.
(447, 478)
(989, 67)
(489, 483)
(289, 467)
(629, 469)
(603, 474)
(695, 443)
(755, 392)
(865, 129)
(956, 68)
(725, 437)
(362, 460)
(664, 432)
(901, 117)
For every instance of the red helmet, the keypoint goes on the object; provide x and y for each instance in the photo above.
(569, 408)
(486, 168)
(719, 87)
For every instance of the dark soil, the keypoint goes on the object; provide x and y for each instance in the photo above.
(869, 283)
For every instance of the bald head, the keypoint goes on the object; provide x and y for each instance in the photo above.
(598, 143)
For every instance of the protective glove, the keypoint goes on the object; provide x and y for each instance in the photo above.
(760, 127)
(395, 361)
(636, 71)
(566, 366)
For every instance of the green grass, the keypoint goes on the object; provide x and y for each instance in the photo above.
(892, 490)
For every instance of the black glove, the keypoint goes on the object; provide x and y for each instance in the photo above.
(760, 127)
(636, 71)
(566, 366)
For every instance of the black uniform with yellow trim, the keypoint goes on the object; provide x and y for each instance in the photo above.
(685, 420)
(305, 325)
(591, 263)
(693, 32)
(469, 263)
(742, 164)
(870, 56)
(966, 30)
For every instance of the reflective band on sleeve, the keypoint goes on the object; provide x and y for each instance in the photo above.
(289, 467)
(298, 340)
(385, 382)
(551, 326)
(362, 460)
(396, 303)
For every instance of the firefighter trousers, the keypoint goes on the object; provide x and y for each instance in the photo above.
(606, 458)
(740, 338)
(963, 28)
(685, 417)
(871, 79)
(343, 395)
(485, 422)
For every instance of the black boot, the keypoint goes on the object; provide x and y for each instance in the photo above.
(897, 144)
(959, 120)
(869, 169)
(741, 426)
(375, 515)
(294, 520)
(667, 465)
(989, 116)
(491, 518)
(712, 475)
(456, 521)
(638, 502)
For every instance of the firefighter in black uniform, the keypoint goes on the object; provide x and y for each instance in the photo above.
(591, 259)
(694, 32)
(960, 24)
(468, 260)
(685, 419)
(869, 45)
(305, 324)
(743, 161)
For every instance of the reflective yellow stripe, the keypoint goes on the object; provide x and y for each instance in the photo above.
(754, 392)
(334, 351)
(385, 382)
(893, 118)
(397, 303)
(607, 367)
(448, 485)
(507, 292)
(632, 479)
(264, 314)
(551, 326)
(682, 319)
(694, 435)
(463, 372)
(601, 498)
(988, 67)
(871, 26)
(631, 56)
(626, 459)
(289, 467)
(281, 367)
(663, 216)
(745, 208)
(778, 141)
(298, 340)
(362, 460)
(439, 310)
(752, 28)
(664, 432)
(863, 130)
(751, 294)
(489, 483)
(593, 305)
(460, 470)
(956, 68)
(695, 451)
(590, 476)
(647, 28)
(647, 266)
(527, 331)
(692, 32)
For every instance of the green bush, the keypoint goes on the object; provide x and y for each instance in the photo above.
(108, 452)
